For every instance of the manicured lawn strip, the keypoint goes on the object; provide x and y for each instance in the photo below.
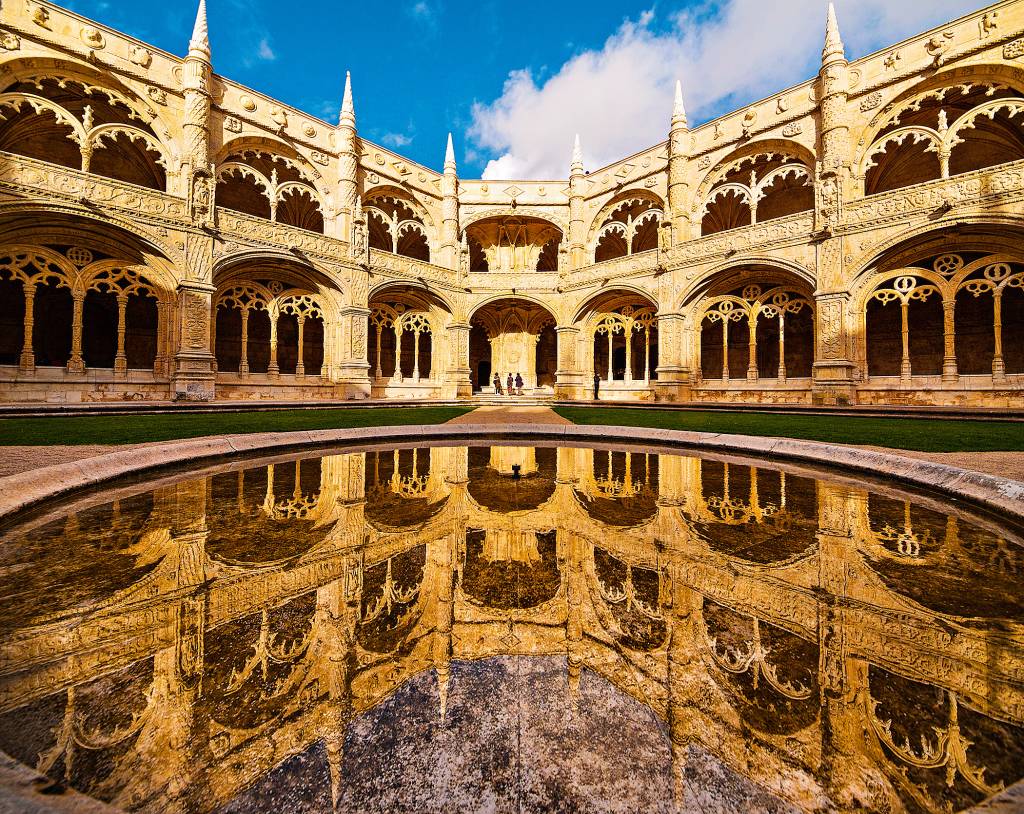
(143, 428)
(926, 435)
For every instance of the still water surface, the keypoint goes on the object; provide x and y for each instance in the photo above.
(514, 629)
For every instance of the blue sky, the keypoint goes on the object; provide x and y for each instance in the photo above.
(514, 81)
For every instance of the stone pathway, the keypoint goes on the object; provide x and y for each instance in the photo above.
(511, 415)
(1001, 464)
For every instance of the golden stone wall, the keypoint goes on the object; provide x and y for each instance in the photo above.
(167, 233)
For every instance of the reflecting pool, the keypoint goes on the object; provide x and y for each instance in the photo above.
(513, 628)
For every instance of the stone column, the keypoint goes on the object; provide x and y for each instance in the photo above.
(833, 369)
(569, 379)
(273, 369)
(27, 362)
(397, 374)
(243, 359)
(674, 365)
(300, 366)
(457, 382)
(998, 364)
(76, 364)
(949, 369)
(120, 358)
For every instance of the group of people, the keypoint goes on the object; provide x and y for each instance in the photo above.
(514, 386)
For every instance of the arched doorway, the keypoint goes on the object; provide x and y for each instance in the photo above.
(513, 336)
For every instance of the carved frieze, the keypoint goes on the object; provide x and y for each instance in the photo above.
(196, 321)
(980, 187)
(1013, 50)
(32, 178)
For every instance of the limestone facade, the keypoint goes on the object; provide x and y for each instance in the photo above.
(166, 233)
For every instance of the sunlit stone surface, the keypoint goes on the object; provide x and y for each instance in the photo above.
(514, 629)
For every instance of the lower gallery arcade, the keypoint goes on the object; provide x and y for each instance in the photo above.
(90, 313)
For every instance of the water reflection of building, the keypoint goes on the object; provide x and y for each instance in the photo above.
(168, 650)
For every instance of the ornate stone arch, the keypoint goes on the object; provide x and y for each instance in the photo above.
(162, 120)
(579, 312)
(747, 154)
(714, 276)
(628, 224)
(986, 91)
(616, 201)
(776, 171)
(471, 218)
(407, 197)
(551, 310)
(54, 222)
(104, 111)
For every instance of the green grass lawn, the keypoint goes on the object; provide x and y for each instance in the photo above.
(927, 435)
(141, 428)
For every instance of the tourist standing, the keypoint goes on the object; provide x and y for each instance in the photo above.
(597, 385)
(510, 384)
(519, 384)
(497, 384)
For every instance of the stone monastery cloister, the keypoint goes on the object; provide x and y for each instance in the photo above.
(166, 233)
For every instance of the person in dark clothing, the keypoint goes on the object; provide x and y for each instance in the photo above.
(497, 384)
(597, 385)
(519, 384)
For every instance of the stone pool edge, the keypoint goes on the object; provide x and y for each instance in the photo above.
(26, 490)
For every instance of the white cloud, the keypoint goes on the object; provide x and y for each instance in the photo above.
(396, 140)
(265, 52)
(619, 97)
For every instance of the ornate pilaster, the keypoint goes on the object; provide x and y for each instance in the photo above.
(569, 380)
(673, 370)
(577, 226)
(353, 369)
(833, 370)
(457, 382)
(348, 167)
(450, 246)
(678, 189)
(193, 372)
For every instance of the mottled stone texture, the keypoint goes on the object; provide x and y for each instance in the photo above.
(510, 742)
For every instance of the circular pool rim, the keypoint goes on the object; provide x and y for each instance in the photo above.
(26, 490)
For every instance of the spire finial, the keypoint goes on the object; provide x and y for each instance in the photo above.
(449, 155)
(577, 157)
(678, 111)
(348, 110)
(199, 45)
(833, 42)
